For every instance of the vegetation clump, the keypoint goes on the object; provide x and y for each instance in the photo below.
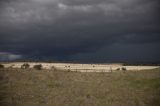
(38, 67)
(123, 69)
(12, 65)
(118, 69)
(53, 68)
(25, 66)
(1, 66)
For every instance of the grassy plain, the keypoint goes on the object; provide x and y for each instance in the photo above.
(30, 87)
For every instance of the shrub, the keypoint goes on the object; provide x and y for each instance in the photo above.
(53, 67)
(1, 66)
(118, 69)
(25, 66)
(124, 69)
(11, 66)
(38, 67)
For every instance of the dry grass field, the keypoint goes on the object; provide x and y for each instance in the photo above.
(30, 87)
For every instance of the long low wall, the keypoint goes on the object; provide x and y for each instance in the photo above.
(81, 67)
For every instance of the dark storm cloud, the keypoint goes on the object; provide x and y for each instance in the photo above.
(81, 29)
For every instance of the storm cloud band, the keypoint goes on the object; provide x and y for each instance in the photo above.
(82, 30)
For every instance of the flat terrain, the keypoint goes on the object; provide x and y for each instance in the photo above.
(30, 87)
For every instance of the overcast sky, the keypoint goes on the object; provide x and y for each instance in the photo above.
(80, 30)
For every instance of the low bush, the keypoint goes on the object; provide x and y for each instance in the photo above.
(118, 69)
(124, 69)
(38, 67)
(1, 66)
(53, 67)
(25, 66)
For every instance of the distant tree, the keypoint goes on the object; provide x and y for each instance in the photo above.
(38, 67)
